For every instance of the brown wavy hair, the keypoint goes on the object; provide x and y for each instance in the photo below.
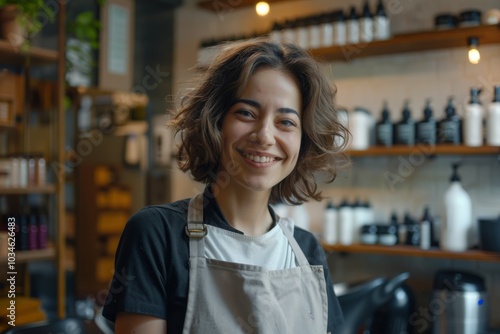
(199, 118)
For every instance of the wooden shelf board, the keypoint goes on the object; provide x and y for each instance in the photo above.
(401, 250)
(47, 189)
(412, 42)
(427, 150)
(11, 55)
(33, 255)
(220, 6)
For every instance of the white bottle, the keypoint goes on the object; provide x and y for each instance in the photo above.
(366, 24)
(493, 120)
(346, 221)
(457, 222)
(288, 33)
(300, 216)
(339, 28)
(360, 126)
(302, 33)
(381, 23)
(473, 120)
(326, 30)
(314, 29)
(359, 219)
(352, 27)
(330, 224)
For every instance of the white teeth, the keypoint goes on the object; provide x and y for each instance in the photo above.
(257, 158)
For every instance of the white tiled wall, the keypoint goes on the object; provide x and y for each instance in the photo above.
(368, 82)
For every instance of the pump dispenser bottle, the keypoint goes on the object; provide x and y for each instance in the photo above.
(366, 24)
(381, 23)
(457, 222)
(493, 120)
(346, 220)
(473, 120)
(352, 27)
(405, 129)
(427, 128)
(385, 129)
(450, 127)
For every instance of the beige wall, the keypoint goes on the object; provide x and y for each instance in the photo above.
(367, 82)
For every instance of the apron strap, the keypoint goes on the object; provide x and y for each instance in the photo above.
(299, 254)
(195, 229)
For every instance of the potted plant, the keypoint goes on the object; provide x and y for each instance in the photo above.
(82, 40)
(23, 19)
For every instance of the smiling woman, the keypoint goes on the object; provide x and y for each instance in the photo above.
(256, 131)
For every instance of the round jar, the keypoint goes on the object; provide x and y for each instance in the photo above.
(369, 234)
(387, 235)
(469, 18)
(445, 21)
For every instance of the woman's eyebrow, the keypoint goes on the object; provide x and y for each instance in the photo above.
(257, 105)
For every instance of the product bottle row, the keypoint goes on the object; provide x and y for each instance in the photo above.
(476, 127)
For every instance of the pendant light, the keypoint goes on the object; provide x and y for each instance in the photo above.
(474, 55)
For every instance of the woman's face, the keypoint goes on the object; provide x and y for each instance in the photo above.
(262, 131)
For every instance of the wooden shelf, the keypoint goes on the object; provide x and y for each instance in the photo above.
(413, 42)
(401, 250)
(37, 56)
(33, 255)
(427, 150)
(47, 189)
(220, 6)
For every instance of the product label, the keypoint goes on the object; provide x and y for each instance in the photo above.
(450, 132)
(426, 133)
(405, 134)
(384, 134)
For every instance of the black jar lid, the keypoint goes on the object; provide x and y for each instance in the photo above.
(472, 15)
(445, 20)
(369, 229)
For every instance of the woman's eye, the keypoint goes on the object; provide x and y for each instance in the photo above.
(287, 122)
(244, 112)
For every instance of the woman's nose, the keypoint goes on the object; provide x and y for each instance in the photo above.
(265, 135)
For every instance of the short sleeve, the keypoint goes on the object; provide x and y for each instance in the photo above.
(140, 277)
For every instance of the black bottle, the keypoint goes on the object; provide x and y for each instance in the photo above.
(427, 128)
(385, 129)
(405, 129)
(450, 127)
(413, 230)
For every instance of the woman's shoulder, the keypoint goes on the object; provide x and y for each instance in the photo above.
(310, 245)
(159, 218)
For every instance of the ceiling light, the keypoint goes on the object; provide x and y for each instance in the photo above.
(262, 8)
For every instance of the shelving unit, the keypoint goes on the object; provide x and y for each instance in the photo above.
(216, 6)
(12, 57)
(401, 250)
(412, 42)
(36, 55)
(47, 189)
(427, 150)
(30, 256)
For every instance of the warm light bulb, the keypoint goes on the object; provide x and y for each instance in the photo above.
(474, 55)
(262, 8)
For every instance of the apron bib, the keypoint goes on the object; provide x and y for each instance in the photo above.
(233, 298)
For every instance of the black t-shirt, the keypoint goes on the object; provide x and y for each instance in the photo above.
(151, 265)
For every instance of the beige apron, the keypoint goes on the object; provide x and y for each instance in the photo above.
(233, 298)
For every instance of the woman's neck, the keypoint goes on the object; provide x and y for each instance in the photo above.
(246, 211)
